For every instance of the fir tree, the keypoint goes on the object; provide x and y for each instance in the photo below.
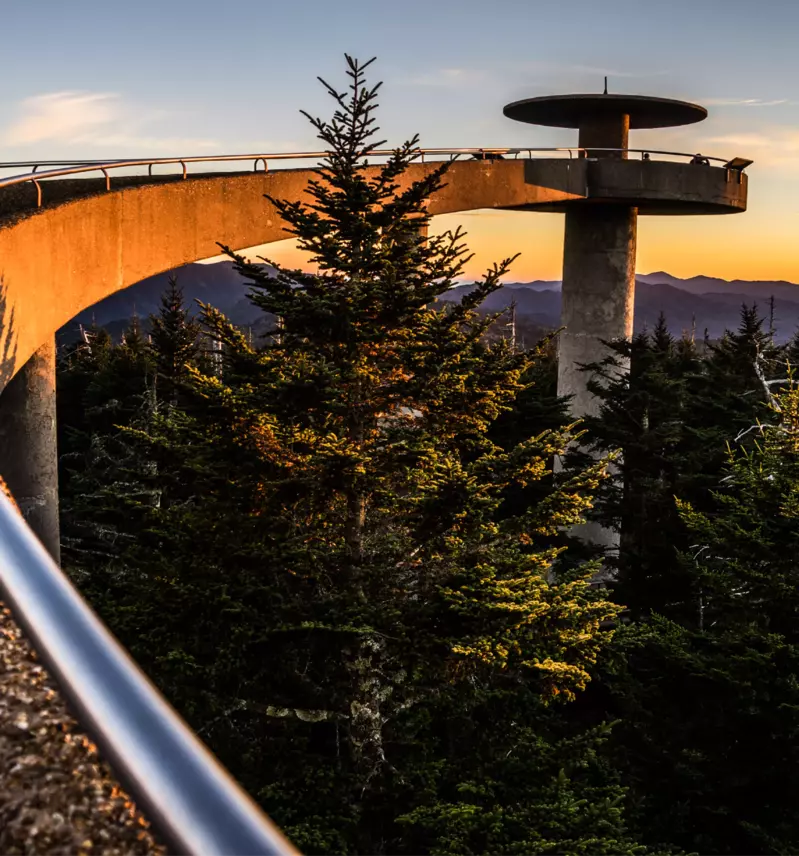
(792, 350)
(174, 341)
(102, 389)
(710, 712)
(644, 414)
(700, 685)
(344, 610)
(671, 417)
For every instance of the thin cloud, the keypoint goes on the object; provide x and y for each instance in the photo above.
(753, 140)
(90, 119)
(744, 102)
(576, 68)
(62, 116)
(771, 146)
(446, 77)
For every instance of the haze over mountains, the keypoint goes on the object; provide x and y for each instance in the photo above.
(701, 301)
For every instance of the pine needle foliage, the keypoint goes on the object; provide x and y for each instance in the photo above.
(369, 642)
(710, 708)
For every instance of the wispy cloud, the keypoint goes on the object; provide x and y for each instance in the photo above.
(91, 119)
(776, 145)
(744, 102)
(446, 77)
(568, 68)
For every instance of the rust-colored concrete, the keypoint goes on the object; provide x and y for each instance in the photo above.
(61, 259)
(87, 243)
(57, 261)
(605, 132)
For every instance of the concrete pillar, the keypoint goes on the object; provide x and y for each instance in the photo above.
(597, 303)
(606, 132)
(598, 293)
(28, 454)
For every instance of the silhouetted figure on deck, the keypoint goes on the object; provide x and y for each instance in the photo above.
(488, 156)
(700, 159)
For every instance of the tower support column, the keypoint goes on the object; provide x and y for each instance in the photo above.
(597, 303)
(28, 453)
(598, 294)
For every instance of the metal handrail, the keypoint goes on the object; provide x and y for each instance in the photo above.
(192, 802)
(65, 168)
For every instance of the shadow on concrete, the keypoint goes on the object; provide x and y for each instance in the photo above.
(8, 338)
(564, 175)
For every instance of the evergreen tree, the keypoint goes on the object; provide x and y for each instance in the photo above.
(699, 684)
(645, 413)
(732, 397)
(102, 389)
(710, 713)
(174, 340)
(671, 417)
(341, 606)
(792, 350)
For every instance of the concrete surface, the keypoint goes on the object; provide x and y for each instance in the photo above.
(597, 296)
(62, 258)
(577, 111)
(28, 451)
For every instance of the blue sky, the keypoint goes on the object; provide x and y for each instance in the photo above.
(91, 79)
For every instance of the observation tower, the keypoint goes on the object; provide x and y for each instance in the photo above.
(610, 186)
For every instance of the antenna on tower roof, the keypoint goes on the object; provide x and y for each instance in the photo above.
(606, 86)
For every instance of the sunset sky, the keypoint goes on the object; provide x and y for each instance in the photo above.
(94, 79)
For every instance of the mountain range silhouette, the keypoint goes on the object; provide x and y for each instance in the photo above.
(704, 304)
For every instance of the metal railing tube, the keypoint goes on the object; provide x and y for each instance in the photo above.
(192, 802)
(61, 169)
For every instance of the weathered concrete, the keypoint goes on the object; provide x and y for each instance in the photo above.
(598, 293)
(57, 261)
(600, 239)
(597, 304)
(28, 453)
(605, 132)
(577, 111)
(653, 187)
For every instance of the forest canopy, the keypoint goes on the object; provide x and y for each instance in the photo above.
(343, 552)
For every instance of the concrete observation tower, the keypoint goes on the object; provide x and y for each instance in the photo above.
(611, 186)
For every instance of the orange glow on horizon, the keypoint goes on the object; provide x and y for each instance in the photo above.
(737, 246)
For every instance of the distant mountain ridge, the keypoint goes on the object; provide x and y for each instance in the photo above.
(699, 302)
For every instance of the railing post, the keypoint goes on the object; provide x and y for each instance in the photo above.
(28, 453)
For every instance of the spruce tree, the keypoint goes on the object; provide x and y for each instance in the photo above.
(174, 340)
(671, 417)
(710, 711)
(645, 413)
(701, 687)
(345, 611)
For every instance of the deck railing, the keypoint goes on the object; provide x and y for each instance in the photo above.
(63, 169)
(194, 805)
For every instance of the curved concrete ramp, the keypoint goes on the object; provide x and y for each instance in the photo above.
(61, 259)
(87, 242)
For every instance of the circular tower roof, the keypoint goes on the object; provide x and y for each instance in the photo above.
(575, 111)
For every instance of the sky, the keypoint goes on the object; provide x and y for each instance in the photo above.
(90, 79)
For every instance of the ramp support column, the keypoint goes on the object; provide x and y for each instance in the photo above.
(28, 453)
